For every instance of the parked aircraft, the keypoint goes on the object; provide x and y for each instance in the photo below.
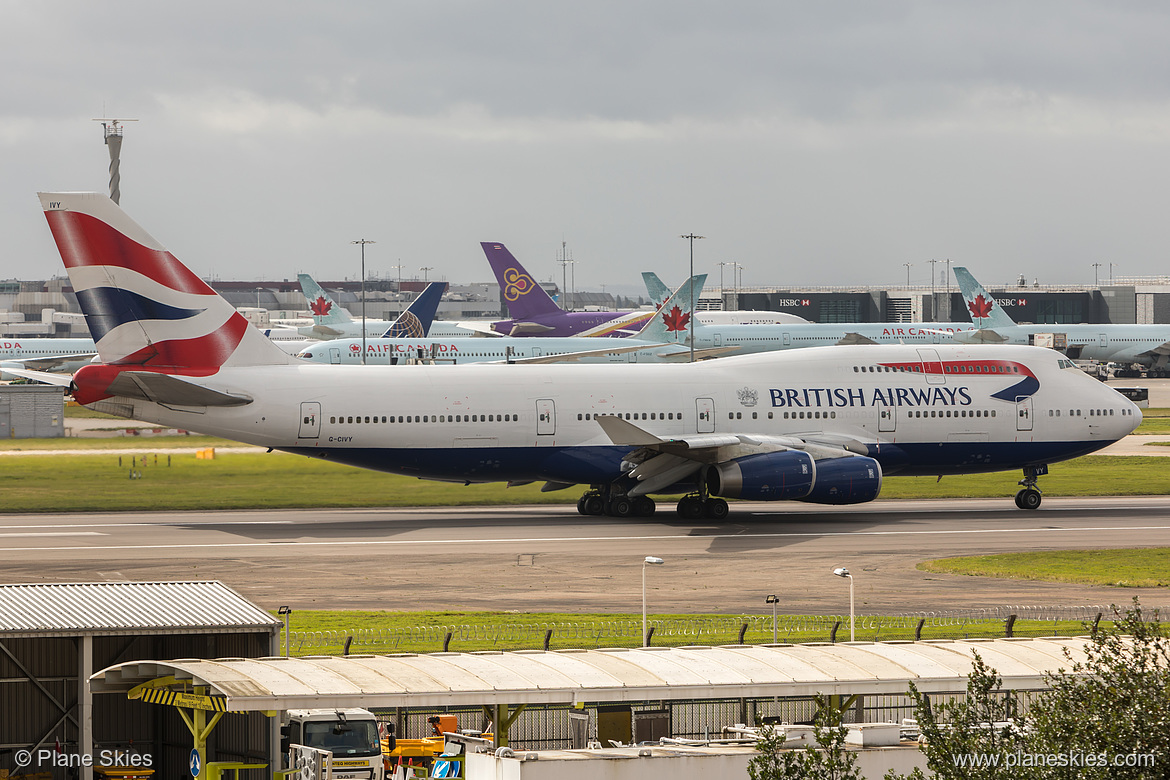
(1145, 345)
(331, 321)
(508, 349)
(44, 354)
(821, 426)
(659, 292)
(535, 313)
(749, 339)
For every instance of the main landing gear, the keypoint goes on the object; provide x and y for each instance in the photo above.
(605, 502)
(1029, 497)
(696, 506)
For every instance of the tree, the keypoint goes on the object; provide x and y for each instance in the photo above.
(831, 761)
(1105, 717)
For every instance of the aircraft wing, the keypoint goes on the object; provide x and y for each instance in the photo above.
(980, 336)
(478, 329)
(49, 363)
(682, 356)
(663, 462)
(170, 390)
(1163, 349)
(529, 329)
(856, 338)
(571, 357)
(324, 332)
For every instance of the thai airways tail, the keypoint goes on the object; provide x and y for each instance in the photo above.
(984, 311)
(416, 321)
(146, 311)
(658, 291)
(325, 310)
(525, 298)
(671, 323)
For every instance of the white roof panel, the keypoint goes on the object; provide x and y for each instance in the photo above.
(601, 675)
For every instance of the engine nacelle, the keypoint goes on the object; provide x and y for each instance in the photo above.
(793, 475)
(846, 481)
(769, 476)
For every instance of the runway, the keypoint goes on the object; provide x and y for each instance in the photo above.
(552, 559)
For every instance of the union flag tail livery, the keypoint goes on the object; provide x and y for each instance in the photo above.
(145, 310)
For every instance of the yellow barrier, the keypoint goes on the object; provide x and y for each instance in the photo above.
(207, 453)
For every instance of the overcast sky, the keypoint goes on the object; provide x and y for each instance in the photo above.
(818, 143)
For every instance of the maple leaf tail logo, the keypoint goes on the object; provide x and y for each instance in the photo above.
(676, 320)
(321, 306)
(980, 307)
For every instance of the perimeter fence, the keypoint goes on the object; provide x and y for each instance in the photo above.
(1009, 621)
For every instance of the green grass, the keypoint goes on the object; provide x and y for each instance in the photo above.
(145, 443)
(1143, 568)
(1154, 421)
(325, 632)
(245, 480)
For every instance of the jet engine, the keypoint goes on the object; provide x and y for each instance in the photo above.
(794, 476)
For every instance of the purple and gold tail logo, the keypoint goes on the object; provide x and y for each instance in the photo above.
(516, 284)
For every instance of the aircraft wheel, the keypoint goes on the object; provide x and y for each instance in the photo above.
(643, 507)
(716, 509)
(593, 505)
(690, 508)
(620, 507)
(1028, 499)
(581, 505)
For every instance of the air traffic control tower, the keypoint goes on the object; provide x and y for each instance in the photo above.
(112, 129)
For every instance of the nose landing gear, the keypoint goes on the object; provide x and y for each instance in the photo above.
(1029, 496)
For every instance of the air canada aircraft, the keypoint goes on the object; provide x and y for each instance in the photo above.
(331, 321)
(659, 292)
(44, 354)
(1144, 344)
(509, 349)
(816, 425)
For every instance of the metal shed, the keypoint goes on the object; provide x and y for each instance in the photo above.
(53, 636)
(31, 412)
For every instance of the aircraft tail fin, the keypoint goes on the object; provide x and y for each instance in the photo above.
(416, 321)
(671, 323)
(325, 310)
(144, 308)
(982, 307)
(524, 296)
(658, 291)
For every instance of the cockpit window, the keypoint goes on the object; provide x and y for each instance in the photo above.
(1063, 363)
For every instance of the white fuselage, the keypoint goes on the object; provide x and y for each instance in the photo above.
(21, 352)
(487, 350)
(1146, 344)
(918, 411)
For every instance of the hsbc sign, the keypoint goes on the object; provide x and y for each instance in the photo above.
(1012, 301)
(793, 302)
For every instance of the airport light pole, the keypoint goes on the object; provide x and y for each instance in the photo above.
(932, 261)
(426, 269)
(286, 611)
(1111, 271)
(721, 296)
(363, 243)
(399, 267)
(1095, 267)
(650, 559)
(907, 272)
(842, 572)
(692, 238)
(773, 600)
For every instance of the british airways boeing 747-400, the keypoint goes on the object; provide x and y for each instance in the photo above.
(815, 425)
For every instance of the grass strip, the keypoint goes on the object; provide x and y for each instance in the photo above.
(251, 480)
(323, 632)
(1141, 568)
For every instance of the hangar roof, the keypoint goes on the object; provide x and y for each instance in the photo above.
(54, 609)
(570, 676)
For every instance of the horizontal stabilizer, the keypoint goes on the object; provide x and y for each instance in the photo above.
(170, 390)
(49, 363)
(529, 329)
(61, 380)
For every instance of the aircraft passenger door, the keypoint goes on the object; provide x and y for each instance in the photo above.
(932, 366)
(546, 417)
(887, 418)
(704, 415)
(1103, 340)
(310, 420)
(787, 339)
(1024, 413)
(536, 352)
(334, 355)
(717, 340)
(632, 357)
